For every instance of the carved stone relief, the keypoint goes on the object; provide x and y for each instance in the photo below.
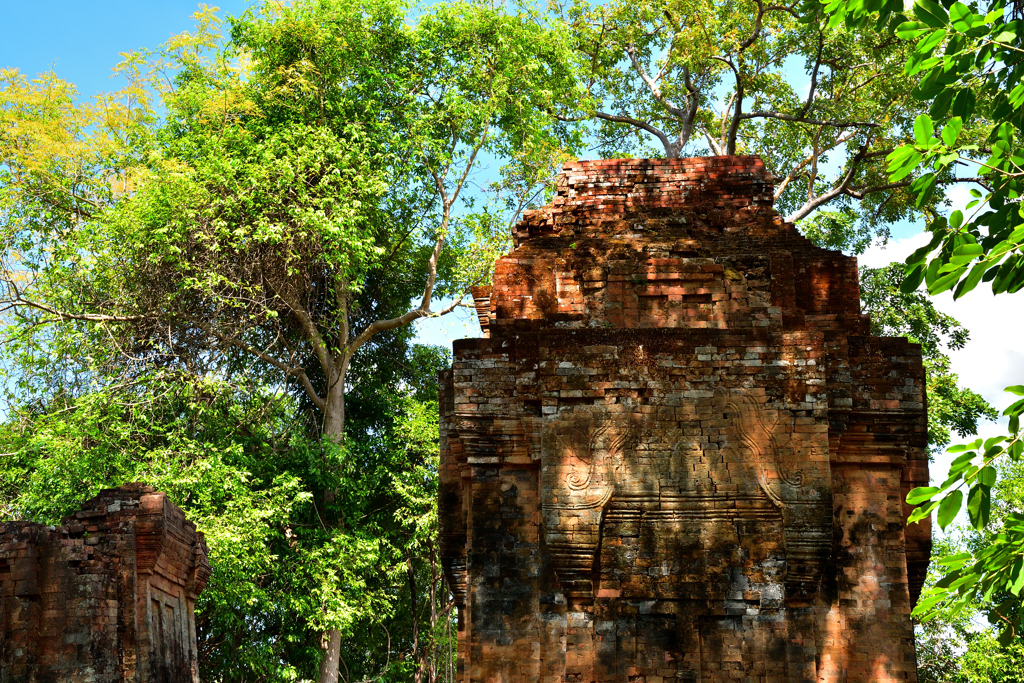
(583, 454)
(589, 458)
(794, 474)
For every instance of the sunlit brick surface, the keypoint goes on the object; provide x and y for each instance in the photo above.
(107, 597)
(678, 455)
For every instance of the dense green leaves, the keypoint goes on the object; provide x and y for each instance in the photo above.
(972, 68)
(972, 59)
(954, 647)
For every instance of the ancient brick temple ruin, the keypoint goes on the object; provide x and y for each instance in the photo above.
(678, 455)
(105, 598)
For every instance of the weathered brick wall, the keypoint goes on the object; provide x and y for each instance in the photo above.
(106, 597)
(678, 454)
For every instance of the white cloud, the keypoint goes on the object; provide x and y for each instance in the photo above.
(959, 196)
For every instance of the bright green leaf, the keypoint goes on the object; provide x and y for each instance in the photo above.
(948, 508)
(921, 494)
(951, 131)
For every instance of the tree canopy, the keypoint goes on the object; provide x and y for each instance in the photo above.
(823, 106)
(305, 181)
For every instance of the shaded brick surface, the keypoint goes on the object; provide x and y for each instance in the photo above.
(106, 597)
(678, 454)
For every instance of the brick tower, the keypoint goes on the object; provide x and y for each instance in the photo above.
(678, 455)
(108, 597)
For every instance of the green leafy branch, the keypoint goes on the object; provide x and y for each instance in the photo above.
(967, 258)
(971, 66)
(998, 567)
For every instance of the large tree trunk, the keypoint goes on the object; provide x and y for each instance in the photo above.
(332, 657)
(334, 430)
(334, 412)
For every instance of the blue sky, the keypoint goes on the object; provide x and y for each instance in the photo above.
(81, 41)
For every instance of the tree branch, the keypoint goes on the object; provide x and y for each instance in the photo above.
(730, 141)
(465, 173)
(812, 204)
(567, 119)
(643, 125)
(723, 127)
(21, 302)
(795, 171)
(673, 108)
(871, 189)
(423, 310)
(737, 100)
(297, 372)
(715, 146)
(691, 111)
(843, 187)
(757, 27)
(312, 333)
(814, 76)
(812, 122)
(401, 321)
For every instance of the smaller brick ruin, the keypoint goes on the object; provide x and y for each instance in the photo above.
(108, 596)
